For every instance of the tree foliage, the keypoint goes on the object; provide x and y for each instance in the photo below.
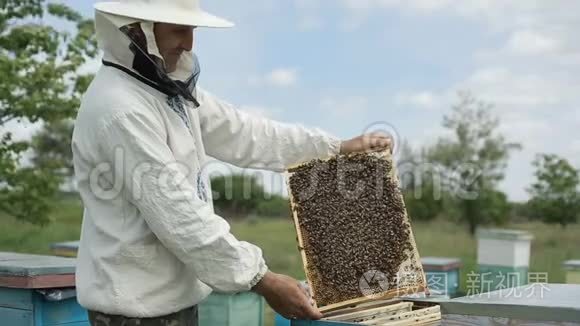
(237, 194)
(420, 184)
(472, 162)
(52, 148)
(39, 82)
(555, 197)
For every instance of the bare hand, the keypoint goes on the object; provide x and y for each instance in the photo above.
(373, 142)
(285, 295)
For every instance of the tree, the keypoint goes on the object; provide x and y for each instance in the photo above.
(52, 148)
(420, 185)
(276, 206)
(237, 194)
(555, 197)
(472, 161)
(38, 83)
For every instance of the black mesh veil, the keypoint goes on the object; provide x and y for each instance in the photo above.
(152, 67)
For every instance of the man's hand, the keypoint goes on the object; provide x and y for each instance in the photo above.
(285, 295)
(373, 142)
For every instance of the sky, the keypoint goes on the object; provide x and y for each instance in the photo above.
(351, 66)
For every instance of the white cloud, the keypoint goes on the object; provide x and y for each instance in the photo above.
(538, 111)
(496, 15)
(503, 87)
(572, 152)
(530, 42)
(540, 48)
(509, 90)
(310, 22)
(350, 106)
(279, 77)
(283, 77)
(422, 99)
(576, 115)
(527, 130)
(309, 14)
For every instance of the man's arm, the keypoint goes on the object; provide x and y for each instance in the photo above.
(238, 138)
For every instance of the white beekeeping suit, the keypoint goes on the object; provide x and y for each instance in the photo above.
(151, 243)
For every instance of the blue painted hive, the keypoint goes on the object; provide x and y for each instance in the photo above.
(65, 249)
(38, 290)
(442, 274)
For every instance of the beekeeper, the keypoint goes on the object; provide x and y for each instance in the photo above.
(151, 245)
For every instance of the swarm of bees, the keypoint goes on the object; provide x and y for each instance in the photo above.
(351, 219)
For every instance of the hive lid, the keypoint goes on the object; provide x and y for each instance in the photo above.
(411, 276)
(572, 264)
(71, 245)
(503, 234)
(538, 302)
(35, 271)
(440, 263)
(14, 264)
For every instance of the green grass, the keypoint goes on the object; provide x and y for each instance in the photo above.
(551, 245)
(23, 237)
(277, 238)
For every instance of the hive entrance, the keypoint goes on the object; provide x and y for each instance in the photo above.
(353, 231)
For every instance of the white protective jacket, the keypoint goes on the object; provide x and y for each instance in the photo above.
(151, 243)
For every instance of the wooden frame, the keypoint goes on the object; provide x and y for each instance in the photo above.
(401, 313)
(380, 310)
(422, 286)
(421, 315)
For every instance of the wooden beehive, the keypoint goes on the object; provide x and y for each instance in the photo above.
(354, 236)
(39, 290)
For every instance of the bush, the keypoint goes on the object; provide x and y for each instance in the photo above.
(236, 195)
(425, 207)
(277, 206)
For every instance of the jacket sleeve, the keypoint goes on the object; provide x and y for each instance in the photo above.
(159, 187)
(247, 141)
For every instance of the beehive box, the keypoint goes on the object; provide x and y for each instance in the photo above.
(65, 249)
(572, 269)
(39, 290)
(442, 274)
(528, 305)
(355, 239)
(503, 258)
(244, 308)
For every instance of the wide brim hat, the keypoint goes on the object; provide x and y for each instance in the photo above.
(179, 12)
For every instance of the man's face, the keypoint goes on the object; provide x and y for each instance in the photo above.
(172, 40)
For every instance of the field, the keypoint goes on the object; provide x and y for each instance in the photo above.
(551, 244)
